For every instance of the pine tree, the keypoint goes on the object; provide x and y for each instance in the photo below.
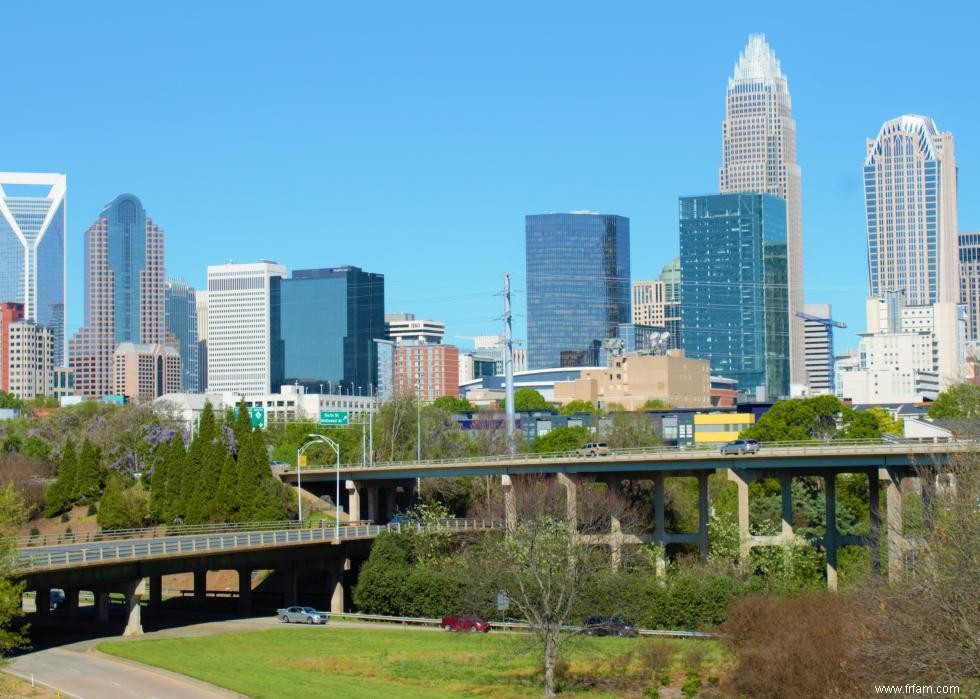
(257, 493)
(165, 483)
(224, 505)
(242, 426)
(61, 493)
(88, 482)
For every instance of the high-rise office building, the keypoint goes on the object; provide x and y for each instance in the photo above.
(32, 248)
(30, 362)
(657, 304)
(970, 282)
(144, 372)
(202, 340)
(181, 304)
(578, 285)
(124, 302)
(405, 327)
(733, 289)
(819, 334)
(759, 155)
(426, 370)
(330, 320)
(910, 202)
(245, 353)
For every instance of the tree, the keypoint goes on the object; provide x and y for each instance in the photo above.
(561, 439)
(577, 406)
(9, 401)
(12, 515)
(452, 404)
(88, 482)
(956, 402)
(630, 431)
(797, 420)
(258, 494)
(529, 399)
(123, 505)
(657, 404)
(61, 493)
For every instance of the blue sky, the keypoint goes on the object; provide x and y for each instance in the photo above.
(412, 138)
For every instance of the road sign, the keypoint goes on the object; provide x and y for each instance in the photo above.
(503, 601)
(334, 417)
(257, 417)
(301, 461)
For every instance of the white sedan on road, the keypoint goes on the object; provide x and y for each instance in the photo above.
(307, 615)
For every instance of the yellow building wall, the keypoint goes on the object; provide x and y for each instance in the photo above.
(720, 428)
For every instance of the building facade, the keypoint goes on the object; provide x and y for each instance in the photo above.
(578, 286)
(428, 371)
(819, 337)
(244, 354)
(124, 302)
(181, 308)
(143, 372)
(201, 297)
(734, 305)
(30, 360)
(32, 248)
(910, 204)
(10, 313)
(969, 252)
(759, 155)
(657, 303)
(405, 327)
(330, 320)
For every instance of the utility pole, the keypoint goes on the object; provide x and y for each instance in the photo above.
(508, 367)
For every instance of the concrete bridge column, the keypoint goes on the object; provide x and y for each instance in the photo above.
(101, 605)
(156, 591)
(372, 503)
(510, 502)
(786, 492)
(615, 526)
(389, 503)
(335, 584)
(744, 537)
(569, 482)
(42, 601)
(703, 514)
(200, 587)
(875, 515)
(71, 602)
(289, 593)
(353, 501)
(830, 535)
(134, 626)
(244, 589)
(660, 534)
(896, 525)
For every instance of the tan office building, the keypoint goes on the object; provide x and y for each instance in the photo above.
(143, 372)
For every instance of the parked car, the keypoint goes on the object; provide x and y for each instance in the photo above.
(57, 599)
(464, 622)
(302, 615)
(593, 449)
(610, 626)
(741, 446)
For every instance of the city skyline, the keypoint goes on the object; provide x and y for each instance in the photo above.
(474, 137)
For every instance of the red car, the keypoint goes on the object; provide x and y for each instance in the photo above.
(464, 622)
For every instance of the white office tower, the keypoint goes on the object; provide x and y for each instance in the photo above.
(31, 360)
(759, 155)
(909, 353)
(242, 315)
(819, 345)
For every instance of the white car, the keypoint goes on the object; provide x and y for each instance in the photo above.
(307, 615)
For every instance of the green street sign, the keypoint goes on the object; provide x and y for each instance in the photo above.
(334, 417)
(257, 418)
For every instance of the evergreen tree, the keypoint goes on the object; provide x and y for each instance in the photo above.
(258, 494)
(61, 493)
(224, 503)
(165, 485)
(124, 505)
(88, 482)
(242, 425)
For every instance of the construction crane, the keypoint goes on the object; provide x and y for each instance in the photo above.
(829, 322)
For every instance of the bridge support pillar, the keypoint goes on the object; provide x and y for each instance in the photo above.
(703, 514)
(874, 509)
(660, 533)
(786, 493)
(134, 627)
(745, 540)
(569, 482)
(42, 601)
(389, 503)
(200, 587)
(353, 501)
(510, 502)
(244, 589)
(101, 606)
(156, 591)
(615, 526)
(830, 540)
(896, 525)
(372, 503)
(335, 584)
(288, 574)
(71, 602)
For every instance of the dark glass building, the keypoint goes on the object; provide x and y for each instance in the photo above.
(578, 286)
(181, 307)
(329, 320)
(734, 302)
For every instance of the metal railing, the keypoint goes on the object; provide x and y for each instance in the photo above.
(141, 548)
(694, 451)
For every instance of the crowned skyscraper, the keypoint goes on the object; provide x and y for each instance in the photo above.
(759, 155)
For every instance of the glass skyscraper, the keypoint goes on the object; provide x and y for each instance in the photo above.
(32, 249)
(734, 301)
(181, 303)
(330, 319)
(578, 286)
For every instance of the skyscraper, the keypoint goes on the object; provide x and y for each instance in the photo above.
(910, 202)
(970, 282)
(124, 302)
(733, 289)
(578, 285)
(759, 155)
(244, 316)
(819, 349)
(181, 304)
(32, 248)
(657, 302)
(330, 320)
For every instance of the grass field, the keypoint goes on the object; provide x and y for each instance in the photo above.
(411, 664)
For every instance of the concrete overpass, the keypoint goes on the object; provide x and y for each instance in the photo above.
(372, 490)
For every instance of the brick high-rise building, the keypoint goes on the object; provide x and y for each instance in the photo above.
(10, 312)
(124, 299)
(428, 371)
(30, 361)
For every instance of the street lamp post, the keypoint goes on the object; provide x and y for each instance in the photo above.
(319, 439)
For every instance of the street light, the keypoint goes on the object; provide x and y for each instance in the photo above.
(318, 439)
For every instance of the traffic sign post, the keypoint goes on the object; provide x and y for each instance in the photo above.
(257, 417)
(334, 417)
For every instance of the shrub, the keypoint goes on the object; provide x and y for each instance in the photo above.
(92, 509)
(64, 516)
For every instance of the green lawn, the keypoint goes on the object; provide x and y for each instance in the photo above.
(410, 664)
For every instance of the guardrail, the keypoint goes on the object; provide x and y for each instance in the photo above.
(512, 625)
(33, 559)
(809, 446)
